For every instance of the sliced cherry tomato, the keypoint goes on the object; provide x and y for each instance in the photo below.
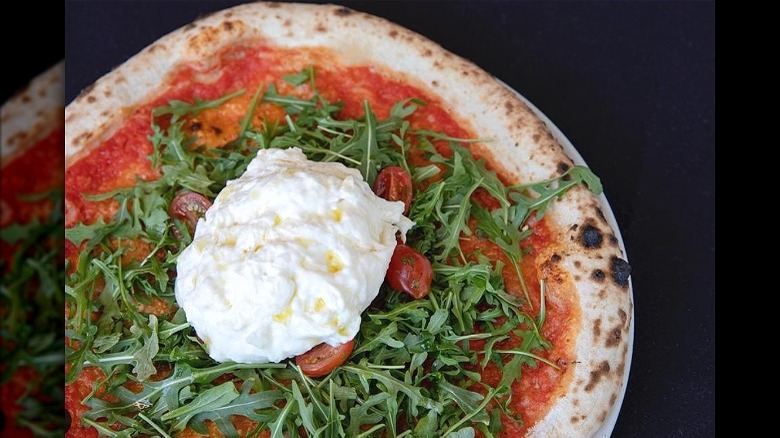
(322, 359)
(485, 199)
(409, 271)
(189, 207)
(394, 184)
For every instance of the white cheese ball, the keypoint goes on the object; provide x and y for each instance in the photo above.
(288, 257)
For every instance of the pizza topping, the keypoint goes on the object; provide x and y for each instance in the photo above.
(323, 359)
(188, 207)
(449, 361)
(286, 258)
(31, 301)
(395, 184)
(410, 272)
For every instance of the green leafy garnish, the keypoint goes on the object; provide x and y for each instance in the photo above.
(31, 329)
(415, 368)
(178, 108)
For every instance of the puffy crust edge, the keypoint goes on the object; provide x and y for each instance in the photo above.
(521, 143)
(32, 113)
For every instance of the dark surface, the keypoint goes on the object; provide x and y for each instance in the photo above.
(632, 85)
(24, 57)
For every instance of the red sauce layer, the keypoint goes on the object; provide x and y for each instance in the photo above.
(36, 171)
(122, 158)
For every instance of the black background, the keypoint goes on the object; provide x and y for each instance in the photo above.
(29, 47)
(632, 84)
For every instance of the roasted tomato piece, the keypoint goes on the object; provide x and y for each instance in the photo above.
(409, 271)
(394, 184)
(189, 207)
(322, 359)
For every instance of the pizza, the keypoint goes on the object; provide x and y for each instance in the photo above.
(272, 163)
(31, 223)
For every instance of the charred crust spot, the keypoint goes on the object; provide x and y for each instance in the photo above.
(602, 416)
(85, 91)
(623, 316)
(601, 214)
(577, 264)
(42, 92)
(190, 27)
(562, 167)
(435, 83)
(107, 93)
(393, 33)
(612, 399)
(598, 275)
(603, 293)
(620, 368)
(555, 258)
(596, 375)
(81, 138)
(574, 227)
(25, 98)
(343, 12)
(321, 28)
(465, 72)
(274, 5)
(577, 278)
(510, 107)
(227, 25)
(575, 419)
(613, 338)
(228, 14)
(287, 23)
(590, 236)
(154, 48)
(104, 113)
(597, 328)
(621, 270)
(575, 402)
(91, 99)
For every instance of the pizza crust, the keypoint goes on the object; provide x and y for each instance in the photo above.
(32, 113)
(521, 144)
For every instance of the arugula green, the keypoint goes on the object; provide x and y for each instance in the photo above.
(414, 370)
(31, 328)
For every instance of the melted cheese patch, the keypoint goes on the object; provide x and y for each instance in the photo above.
(288, 257)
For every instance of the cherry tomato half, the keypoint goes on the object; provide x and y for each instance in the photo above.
(189, 207)
(322, 359)
(409, 271)
(485, 199)
(394, 184)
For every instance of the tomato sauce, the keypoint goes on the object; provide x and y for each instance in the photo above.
(122, 158)
(36, 171)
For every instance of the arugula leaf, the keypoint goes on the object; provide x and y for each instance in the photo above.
(80, 232)
(16, 232)
(213, 398)
(306, 75)
(366, 142)
(142, 357)
(246, 404)
(412, 359)
(178, 109)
